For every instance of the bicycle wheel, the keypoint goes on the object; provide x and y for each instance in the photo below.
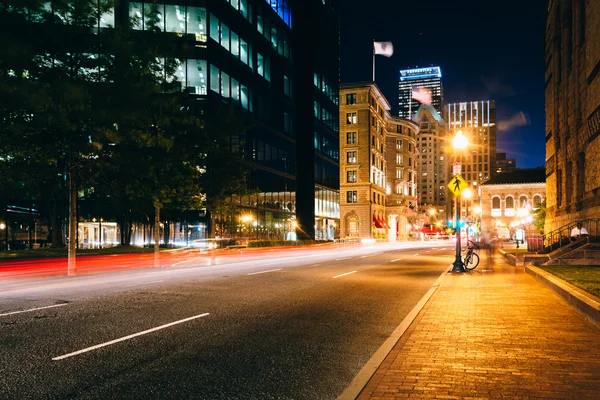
(471, 261)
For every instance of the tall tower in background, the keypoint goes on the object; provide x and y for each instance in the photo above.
(477, 120)
(432, 170)
(429, 78)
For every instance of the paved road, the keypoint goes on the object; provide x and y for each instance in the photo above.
(290, 325)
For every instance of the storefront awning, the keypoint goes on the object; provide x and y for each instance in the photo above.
(377, 223)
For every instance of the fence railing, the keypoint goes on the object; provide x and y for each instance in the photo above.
(348, 242)
(562, 236)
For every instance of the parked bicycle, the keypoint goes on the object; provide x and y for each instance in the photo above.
(471, 260)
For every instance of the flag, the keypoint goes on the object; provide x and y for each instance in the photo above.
(384, 48)
(422, 95)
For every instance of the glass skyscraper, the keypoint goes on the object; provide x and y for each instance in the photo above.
(429, 78)
(276, 62)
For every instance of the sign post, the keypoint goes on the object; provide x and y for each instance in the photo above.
(456, 186)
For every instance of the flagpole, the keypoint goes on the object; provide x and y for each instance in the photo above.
(373, 60)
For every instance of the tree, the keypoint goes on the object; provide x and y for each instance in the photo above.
(48, 76)
(539, 217)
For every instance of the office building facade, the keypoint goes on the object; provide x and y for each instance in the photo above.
(504, 164)
(572, 82)
(477, 121)
(258, 56)
(377, 173)
(428, 79)
(432, 167)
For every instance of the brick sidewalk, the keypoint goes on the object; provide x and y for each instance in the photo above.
(492, 334)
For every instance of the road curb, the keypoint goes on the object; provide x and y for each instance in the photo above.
(583, 302)
(368, 370)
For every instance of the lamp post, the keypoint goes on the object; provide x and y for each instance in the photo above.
(459, 142)
(247, 219)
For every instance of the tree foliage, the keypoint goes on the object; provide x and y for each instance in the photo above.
(106, 105)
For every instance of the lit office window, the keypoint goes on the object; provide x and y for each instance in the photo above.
(107, 18)
(214, 28)
(214, 79)
(196, 76)
(260, 64)
(224, 37)
(196, 22)
(225, 85)
(287, 86)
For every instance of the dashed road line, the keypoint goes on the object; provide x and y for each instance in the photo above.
(98, 346)
(347, 273)
(397, 259)
(264, 272)
(33, 309)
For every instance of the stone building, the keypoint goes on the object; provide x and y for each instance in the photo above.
(572, 80)
(432, 167)
(509, 200)
(401, 185)
(373, 145)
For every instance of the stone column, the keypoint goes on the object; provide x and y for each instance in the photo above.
(392, 231)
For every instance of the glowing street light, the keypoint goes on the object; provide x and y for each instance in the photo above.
(460, 141)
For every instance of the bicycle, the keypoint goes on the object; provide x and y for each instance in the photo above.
(471, 260)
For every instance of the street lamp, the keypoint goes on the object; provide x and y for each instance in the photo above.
(247, 219)
(459, 142)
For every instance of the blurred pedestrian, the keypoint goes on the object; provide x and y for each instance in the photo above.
(576, 232)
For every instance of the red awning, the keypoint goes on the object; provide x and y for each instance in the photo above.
(377, 223)
(380, 223)
(385, 225)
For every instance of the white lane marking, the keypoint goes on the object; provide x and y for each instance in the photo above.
(345, 258)
(127, 337)
(397, 259)
(264, 272)
(347, 273)
(144, 283)
(364, 256)
(315, 265)
(33, 309)
(416, 254)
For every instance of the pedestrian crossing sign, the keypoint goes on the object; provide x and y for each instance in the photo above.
(457, 185)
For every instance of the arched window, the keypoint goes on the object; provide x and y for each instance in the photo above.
(537, 201)
(496, 202)
(523, 202)
(510, 202)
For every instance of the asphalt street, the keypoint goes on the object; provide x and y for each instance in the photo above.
(295, 324)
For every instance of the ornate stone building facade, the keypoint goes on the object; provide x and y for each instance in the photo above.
(401, 162)
(377, 160)
(572, 76)
(509, 200)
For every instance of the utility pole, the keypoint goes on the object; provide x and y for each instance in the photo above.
(72, 249)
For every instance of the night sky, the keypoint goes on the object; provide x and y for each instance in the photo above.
(486, 52)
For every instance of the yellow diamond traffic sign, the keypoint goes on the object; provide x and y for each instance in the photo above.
(457, 185)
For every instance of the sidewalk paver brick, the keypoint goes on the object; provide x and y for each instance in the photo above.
(493, 333)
